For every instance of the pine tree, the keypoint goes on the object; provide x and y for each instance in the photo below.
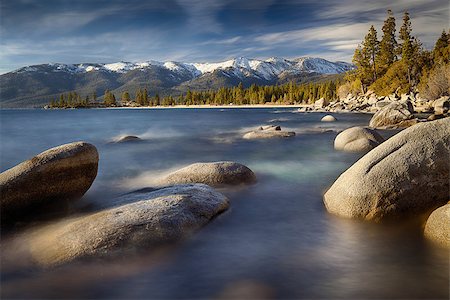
(371, 47)
(388, 45)
(362, 62)
(125, 97)
(407, 44)
(157, 100)
(441, 51)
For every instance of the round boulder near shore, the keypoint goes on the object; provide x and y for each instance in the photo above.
(63, 172)
(139, 220)
(212, 173)
(357, 139)
(437, 227)
(328, 118)
(394, 115)
(406, 175)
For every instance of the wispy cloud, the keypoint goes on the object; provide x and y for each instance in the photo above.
(67, 31)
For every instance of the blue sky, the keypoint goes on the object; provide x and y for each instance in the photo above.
(75, 31)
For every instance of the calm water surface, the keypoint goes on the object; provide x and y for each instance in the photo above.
(276, 241)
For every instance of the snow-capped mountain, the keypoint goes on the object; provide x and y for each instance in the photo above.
(35, 85)
(240, 66)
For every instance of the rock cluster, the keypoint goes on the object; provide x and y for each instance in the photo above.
(139, 220)
(406, 175)
(372, 103)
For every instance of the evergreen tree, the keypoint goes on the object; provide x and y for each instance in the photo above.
(407, 44)
(371, 47)
(362, 62)
(441, 51)
(388, 45)
(125, 97)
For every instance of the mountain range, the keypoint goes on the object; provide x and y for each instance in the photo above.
(34, 86)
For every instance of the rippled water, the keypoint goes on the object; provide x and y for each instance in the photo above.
(276, 241)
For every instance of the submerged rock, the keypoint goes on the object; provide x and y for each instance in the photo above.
(437, 227)
(395, 114)
(213, 174)
(328, 118)
(357, 139)
(270, 127)
(267, 132)
(141, 220)
(405, 175)
(127, 138)
(63, 172)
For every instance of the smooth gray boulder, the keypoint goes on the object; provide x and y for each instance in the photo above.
(213, 174)
(406, 175)
(268, 132)
(328, 118)
(63, 172)
(395, 114)
(357, 139)
(140, 220)
(437, 227)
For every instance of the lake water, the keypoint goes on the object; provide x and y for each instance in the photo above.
(275, 241)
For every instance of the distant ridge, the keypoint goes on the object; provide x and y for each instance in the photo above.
(34, 85)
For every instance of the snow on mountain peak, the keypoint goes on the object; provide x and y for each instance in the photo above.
(240, 66)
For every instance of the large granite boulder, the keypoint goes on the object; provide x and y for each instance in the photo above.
(395, 114)
(63, 172)
(140, 220)
(437, 227)
(407, 174)
(268, 132)
(213, 174)
(357, 139)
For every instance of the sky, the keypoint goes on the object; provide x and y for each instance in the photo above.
(104, 31)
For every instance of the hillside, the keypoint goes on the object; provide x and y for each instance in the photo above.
(34, 86)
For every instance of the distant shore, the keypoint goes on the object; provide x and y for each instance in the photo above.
(206, 106)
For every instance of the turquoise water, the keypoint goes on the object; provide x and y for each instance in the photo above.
(277, 240)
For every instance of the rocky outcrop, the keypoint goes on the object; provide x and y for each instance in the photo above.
(63, 172)
(371, 103)
(213, 174)
(437, 227)
(328, 118)
(267, 132)
(321, 103)
(357, 139)
(441, 105)
(393, 115)
(405, 175)
(140, 220)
